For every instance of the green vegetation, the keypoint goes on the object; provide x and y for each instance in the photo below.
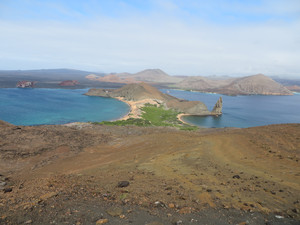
(153, 115)
(158, 116)
(130, 121)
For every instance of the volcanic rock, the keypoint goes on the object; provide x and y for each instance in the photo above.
(217, 110)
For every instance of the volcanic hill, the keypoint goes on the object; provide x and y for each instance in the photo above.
(251, 85)
(149, 75)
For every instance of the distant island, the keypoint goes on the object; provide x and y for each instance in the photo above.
(258, 84)
(251, 85)
(69, 83)
(25, 84)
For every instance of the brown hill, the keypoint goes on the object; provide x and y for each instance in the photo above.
(152, 76)
(256, 85)
(142, 91)
(203, 83)
(112, 78)
(251, 85)
(294, 88)
(149, 75)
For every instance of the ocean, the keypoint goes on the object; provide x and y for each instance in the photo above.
(243, 111)
(59, 106)
(36, 106)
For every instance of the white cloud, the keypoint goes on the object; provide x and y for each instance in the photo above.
(156, 41)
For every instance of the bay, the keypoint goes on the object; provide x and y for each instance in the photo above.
(33, 106)
(243, 111)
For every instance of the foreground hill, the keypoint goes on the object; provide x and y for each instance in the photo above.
(142, 91)
(214, 176)
(252, 85)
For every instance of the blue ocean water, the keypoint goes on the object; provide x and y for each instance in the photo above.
(243, 111)
(35, 106)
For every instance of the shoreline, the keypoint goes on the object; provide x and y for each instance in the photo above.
(179, 117)
(135, 106)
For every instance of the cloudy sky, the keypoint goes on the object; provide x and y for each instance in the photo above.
(190, 37)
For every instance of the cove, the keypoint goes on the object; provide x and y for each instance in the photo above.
(243, 111)
(36, 106)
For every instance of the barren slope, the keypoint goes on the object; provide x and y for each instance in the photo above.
(254, 169)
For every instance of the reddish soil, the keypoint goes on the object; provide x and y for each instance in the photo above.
(64, 175)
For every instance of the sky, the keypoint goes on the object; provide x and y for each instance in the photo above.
(190, 37)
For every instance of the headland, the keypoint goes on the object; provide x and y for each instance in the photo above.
(138, 95)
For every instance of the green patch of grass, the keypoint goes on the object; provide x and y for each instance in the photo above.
(153, 115)
(130, 121)
(188, 127)
(160, 116)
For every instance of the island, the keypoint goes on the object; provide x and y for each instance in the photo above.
(26, 84)
(257, 84)
(69, 83)
(139, 95)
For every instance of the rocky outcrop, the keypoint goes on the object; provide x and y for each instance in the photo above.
(217, 110)
(25, 84)
(143, 91)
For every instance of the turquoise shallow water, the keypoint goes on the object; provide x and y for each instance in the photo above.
(59, 106)
(56, 106)
(244, 111)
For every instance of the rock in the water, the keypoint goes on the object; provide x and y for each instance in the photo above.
(122, 184)
(218, 107)
(115, 211)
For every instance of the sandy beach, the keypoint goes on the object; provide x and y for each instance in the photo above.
(135, 106)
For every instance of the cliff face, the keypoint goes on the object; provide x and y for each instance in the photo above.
(142, 91)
